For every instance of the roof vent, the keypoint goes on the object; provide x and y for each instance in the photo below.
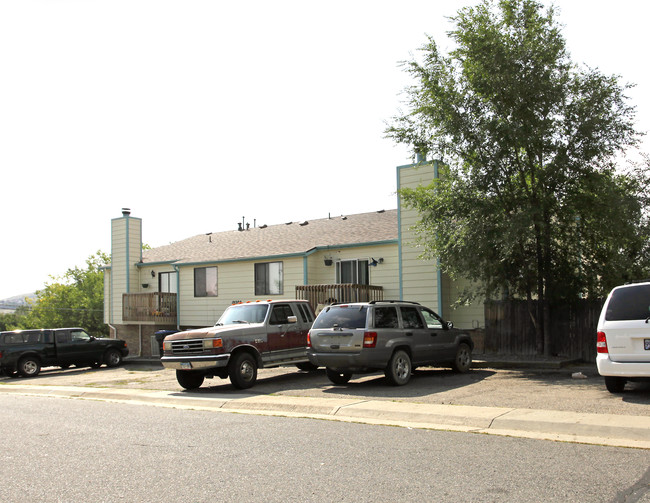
(126, 212)
(302, 224)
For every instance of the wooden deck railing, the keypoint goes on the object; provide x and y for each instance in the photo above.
(159, 307)
(348, 292)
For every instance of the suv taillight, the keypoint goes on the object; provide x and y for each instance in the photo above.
(601, 343)
(369, 339)
(309, 339)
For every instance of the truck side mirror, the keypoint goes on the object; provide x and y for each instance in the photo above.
(292, 319)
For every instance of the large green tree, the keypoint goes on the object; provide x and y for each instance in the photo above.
(529, 200)
(75, 299)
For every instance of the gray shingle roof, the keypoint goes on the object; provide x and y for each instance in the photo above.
(282, 239)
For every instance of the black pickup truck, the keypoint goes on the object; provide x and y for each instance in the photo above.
(25, 352)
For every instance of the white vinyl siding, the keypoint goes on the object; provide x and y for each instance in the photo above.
(236, 284)
(419, 276)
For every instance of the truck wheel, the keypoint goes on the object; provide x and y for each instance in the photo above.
(189, 379)
(338, 377)
(398, 370)
(307, 366)
(29, 366)
(243, 370)
(112, 358)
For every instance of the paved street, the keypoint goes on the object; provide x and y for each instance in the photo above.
(83, 450)
(527, 402)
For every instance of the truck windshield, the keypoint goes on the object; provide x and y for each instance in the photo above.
(244, 313)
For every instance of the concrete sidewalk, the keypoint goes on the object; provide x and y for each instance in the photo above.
(600, 429)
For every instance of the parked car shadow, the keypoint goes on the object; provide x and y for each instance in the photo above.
(53, 372)
(424, 381)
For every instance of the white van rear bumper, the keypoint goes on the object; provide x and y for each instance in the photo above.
(607, 367)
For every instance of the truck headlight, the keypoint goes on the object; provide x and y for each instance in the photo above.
(212, 343)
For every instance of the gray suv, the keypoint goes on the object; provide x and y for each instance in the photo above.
(393, 336)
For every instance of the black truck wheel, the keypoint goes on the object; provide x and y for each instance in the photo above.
(29, 366)
(112, 358)
(242, 370)
(189, 379)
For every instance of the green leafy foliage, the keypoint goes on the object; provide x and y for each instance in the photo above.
(75, 299)
(530, 202)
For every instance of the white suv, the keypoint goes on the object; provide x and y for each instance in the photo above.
(623, 342)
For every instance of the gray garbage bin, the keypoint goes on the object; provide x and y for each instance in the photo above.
(160, 335)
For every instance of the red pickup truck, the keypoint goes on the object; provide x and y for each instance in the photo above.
(247, 336)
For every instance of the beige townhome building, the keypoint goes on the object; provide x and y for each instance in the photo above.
(189, 283)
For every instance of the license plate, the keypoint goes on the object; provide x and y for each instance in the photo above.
(646, 344)
(186, 365)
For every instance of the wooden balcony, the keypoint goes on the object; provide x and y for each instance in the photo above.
(156, 307)
(326, 294)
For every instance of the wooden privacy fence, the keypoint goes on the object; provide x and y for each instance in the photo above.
(510, 330)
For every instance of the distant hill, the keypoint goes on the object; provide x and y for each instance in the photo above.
(10, 304)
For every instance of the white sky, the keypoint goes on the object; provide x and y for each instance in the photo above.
(197, 113)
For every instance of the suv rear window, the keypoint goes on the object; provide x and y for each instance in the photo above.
(342, 316)
(629, 303)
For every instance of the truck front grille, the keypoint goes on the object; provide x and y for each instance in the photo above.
(191, 347)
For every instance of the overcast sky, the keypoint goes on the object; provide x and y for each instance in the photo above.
(196, 113)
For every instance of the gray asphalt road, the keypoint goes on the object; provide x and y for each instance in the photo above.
(532, 389)
(75, 450)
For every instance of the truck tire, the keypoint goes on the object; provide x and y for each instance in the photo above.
(189, 379)
(29, 366)
(242, 370)
(112, 358)
(307, 366)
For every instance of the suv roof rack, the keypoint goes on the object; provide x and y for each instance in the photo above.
(394, 302)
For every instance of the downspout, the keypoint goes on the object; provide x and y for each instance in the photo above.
(178, 297)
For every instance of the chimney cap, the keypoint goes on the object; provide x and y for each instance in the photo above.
(126, 212)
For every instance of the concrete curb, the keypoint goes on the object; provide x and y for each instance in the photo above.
(601, 429)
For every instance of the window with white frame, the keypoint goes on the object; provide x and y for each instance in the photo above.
(167, 282)
(205, 282)
(352, 271)
(269, 278)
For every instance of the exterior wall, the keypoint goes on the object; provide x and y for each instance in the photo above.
(385, 274)
(466, 316)
(107, 295)
(235, 283)
(140, 339)
(419, 278)
(126, 252)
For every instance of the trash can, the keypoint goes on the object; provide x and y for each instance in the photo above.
(160, 335)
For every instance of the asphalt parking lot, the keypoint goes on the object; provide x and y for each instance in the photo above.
(523, 388)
